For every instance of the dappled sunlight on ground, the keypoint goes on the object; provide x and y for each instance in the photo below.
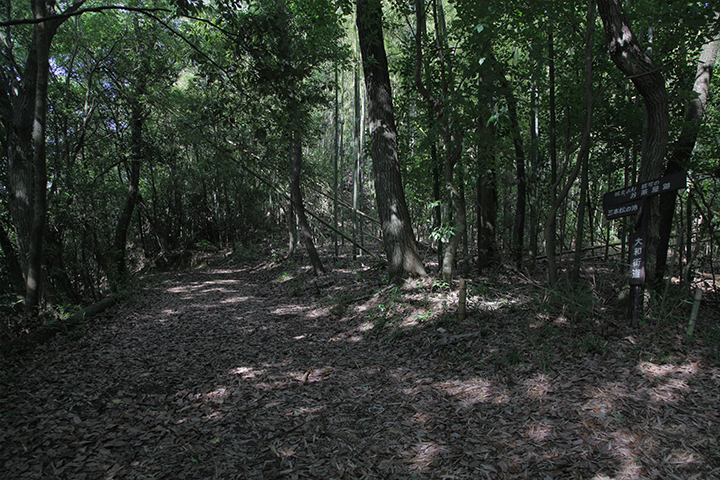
(235, 374)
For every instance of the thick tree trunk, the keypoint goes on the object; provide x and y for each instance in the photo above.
(296, 195)
(631, 59)
(39, 211)
(13, 265)
(398, 237)
(20, 110)
(683, 147)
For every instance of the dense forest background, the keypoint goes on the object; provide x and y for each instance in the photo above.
(135, 134)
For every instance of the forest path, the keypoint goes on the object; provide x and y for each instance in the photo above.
(218, 373)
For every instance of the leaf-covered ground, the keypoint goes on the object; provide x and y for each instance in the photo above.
(264, 372)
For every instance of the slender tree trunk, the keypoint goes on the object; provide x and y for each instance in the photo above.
(356, 165)
(521, 200)
(292, 230)
(452, 140)
(118, 264)
(580, 232)
(551, 233)
(582, 153)
(336, 142)
(398, 237)
(437, 198)
(683, 147)
(296, 194)
(532, 180)
(631, 59)
(487, 219)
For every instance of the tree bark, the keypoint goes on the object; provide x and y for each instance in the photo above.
(631, 59)
(118, 265)
(398, 237)
(13, 265)
(683, 147)
(487, 219)
(550, 239)
(296, 195)
(582, 153)
(39, 210)
(20, 109)
(521, 200)
(452, 140)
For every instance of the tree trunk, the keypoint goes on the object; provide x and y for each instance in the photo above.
(551, 233)
(335, 147)
(452, 140)
(39, 210)
(437, 209)
(356, 165)
(521, 200)
(13, 265)
(487, 219)
(19, 113)
(683, 147)
(580, 231)
(292, 230)
(296, 194)
(398, 237)
(582, 153)
(118, 265)
(631, 59)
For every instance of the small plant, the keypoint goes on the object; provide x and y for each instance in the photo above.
(590, 344)
(513, 356)
(440, 285)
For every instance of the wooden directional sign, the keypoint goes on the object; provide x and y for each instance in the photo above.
(627, 201)
(623, 210)
(637, 258)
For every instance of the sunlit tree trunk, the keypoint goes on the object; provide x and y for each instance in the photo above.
(398, 237)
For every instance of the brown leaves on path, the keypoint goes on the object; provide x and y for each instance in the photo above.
(237, 373)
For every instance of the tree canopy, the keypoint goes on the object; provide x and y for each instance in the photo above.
(170, 126)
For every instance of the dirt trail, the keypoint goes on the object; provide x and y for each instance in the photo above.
(219, 373)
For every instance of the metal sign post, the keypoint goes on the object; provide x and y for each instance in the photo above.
(630, 201)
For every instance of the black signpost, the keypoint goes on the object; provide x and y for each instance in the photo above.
(630, 201)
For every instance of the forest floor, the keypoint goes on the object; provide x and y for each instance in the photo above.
(260, 371)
